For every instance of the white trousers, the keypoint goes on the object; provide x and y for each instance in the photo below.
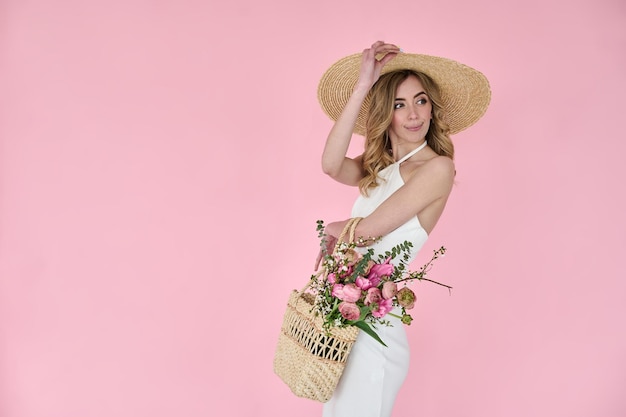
(373, 375)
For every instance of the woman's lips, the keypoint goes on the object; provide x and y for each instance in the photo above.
(414, 128)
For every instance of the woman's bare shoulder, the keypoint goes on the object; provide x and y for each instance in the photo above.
(436, 167)
(440, 164)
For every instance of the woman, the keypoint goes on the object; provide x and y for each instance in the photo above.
(406, 106)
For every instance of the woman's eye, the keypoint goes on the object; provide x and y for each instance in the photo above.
(422, 101)
(398, 106)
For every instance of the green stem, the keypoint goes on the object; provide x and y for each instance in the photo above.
(424, 279)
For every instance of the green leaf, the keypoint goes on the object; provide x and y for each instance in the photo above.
(365, 310)
(367, 329)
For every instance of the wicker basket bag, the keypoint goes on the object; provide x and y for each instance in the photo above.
(309, 359)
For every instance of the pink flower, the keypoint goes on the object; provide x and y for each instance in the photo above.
(363, 283)
(332, 278)
(406, 297)
(352, 257)
(373, 296)
(345, 271)
(337, 291)
(381, 270)
(349, 311)
(349, 292)
(383, 307)
(375, 280)
(390, 289)
(369, 266)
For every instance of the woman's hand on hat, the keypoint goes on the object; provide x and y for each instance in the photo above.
(371, 66)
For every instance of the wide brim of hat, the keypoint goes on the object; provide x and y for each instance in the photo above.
(465, 92)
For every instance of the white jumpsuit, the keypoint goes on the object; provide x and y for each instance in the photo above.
(374, 373)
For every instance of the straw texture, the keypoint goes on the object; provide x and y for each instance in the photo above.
(309, 359)
(465, 92)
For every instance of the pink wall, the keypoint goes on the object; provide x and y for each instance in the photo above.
(160, 184)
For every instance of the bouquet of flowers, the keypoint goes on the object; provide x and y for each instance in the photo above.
(359, 289)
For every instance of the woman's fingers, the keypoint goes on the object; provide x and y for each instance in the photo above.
(381, 47)
(388, 57)
(371, 66)
(320, 255)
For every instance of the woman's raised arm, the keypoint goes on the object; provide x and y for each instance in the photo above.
(334, 161)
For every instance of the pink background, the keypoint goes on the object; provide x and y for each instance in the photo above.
(160, 183)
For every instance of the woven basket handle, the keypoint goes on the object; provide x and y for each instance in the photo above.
(349, 230)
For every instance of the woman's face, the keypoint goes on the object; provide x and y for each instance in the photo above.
(411, 114)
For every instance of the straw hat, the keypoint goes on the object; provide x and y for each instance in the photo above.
(464, 91)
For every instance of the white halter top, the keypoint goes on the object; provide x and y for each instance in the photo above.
(390, 180)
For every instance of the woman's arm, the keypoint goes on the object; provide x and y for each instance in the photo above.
(334, 161)
(428, 185)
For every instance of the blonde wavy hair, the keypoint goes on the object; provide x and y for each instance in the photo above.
(377, 155)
